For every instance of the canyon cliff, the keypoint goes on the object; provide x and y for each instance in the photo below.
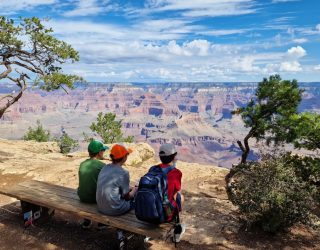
(196, 117)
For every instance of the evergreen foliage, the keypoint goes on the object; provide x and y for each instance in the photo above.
(109, 129)
(28, 50)
(66, 143)
(306, 129)
(268, 113)
(272, 195)
(37, 133)
(282, 189)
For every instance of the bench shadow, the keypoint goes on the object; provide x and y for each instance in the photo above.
(62, 231)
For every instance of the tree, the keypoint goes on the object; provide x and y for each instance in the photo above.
(38, 133)
(29, 50)
(109, 129)
(306, 128)
(268, 113)
(281, 189)
(66, 143)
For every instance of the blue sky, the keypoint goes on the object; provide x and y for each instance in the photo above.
(184, 40)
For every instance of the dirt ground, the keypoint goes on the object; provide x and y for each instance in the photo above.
(212, 221)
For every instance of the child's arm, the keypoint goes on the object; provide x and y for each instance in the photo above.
(131, 194)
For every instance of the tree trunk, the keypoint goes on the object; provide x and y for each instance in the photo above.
(9, 103)
(245, 152)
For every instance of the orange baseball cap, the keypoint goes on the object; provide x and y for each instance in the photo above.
(118, 151)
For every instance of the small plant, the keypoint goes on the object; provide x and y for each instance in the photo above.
(109, 129)
(38, 133)
(87, 138)
(66, 143)
(271, 194)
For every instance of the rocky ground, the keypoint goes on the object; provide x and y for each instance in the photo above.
(210, 218)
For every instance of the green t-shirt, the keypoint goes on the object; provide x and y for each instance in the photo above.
(88, 177)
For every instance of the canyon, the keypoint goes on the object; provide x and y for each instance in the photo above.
(196, 117)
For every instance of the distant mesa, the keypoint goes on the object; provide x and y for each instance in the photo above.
(194, 116)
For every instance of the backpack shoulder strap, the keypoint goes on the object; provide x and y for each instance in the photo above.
(168, 169)
(154, 168)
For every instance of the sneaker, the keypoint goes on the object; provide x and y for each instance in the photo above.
(146, 239)
(179, 230)
(121, 239)
(86, 224)
(101, 226)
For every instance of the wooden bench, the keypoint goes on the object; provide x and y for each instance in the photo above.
(66, 199)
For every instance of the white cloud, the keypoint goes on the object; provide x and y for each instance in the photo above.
(201, 8)
(12, 6)
(283, 1)
(291, 63)
(296, 52)
(198, 47)
(317, 67)
(310, 31)
(158, 49)
(300, 40)
(88, 7)
(223, 32)
(293, 66)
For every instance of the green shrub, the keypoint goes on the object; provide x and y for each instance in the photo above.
(66, 143)
(37, 133)
(308, 168)
(271, 194)
(109, 129)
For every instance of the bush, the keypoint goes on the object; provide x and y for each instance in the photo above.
(66, 143)
(270, 194)
(109, 129)
(38, 133)
(308, 168)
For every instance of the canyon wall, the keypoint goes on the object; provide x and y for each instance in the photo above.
(196, 117)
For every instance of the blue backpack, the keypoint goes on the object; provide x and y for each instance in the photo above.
(153, 188)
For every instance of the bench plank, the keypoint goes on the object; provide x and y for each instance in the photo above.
(66, 199)
(73, 198)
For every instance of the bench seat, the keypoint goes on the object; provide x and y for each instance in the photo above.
(66, 199)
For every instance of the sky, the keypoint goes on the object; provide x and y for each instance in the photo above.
(183, 40)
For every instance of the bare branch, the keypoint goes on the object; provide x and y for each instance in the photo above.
(7, 96)
(7, 72)
(64, 89)
(11, 102)
(28, 60)
(34, 70)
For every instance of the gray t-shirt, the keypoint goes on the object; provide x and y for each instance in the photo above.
(113, 184)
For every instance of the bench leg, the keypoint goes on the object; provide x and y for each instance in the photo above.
(32, 212)
(123, 238)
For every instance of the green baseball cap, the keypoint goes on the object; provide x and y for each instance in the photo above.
(96, 146)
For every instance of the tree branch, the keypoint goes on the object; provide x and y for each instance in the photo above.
(7, 72)
(34, 70)
(241, 146)
(27, 60)
(10, 102)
